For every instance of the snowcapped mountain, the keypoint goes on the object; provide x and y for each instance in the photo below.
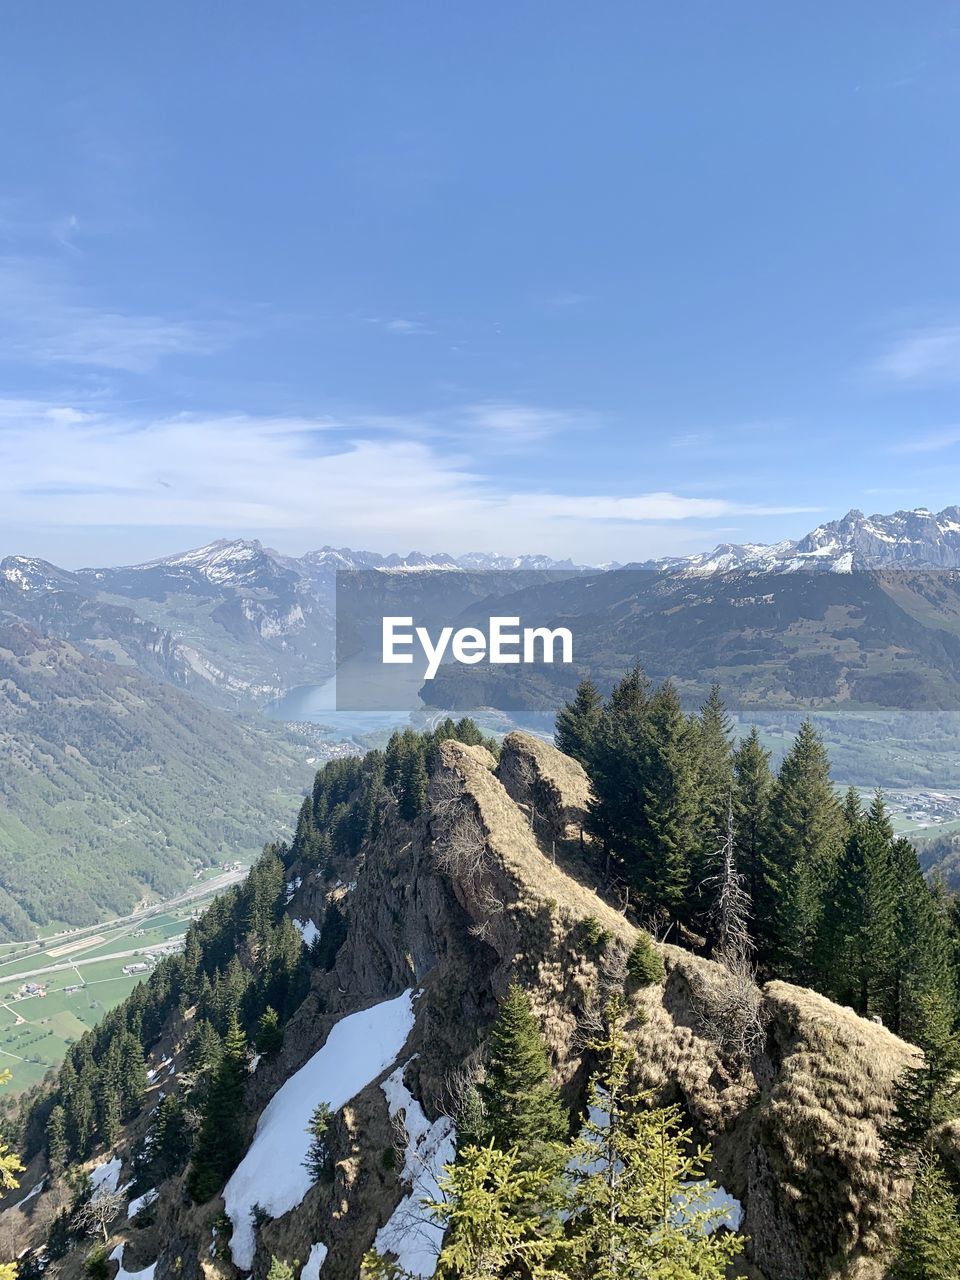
(906, 539)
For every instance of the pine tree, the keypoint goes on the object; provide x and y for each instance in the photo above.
(318, 1159)
(715, 750)
(522, 1108)
(413, 785)
(578, 724)
(220, 1140)
(57, 1147)
(924, 961)
(928, 1242)
(269, 1032)
(280, 1270)
(858, 949)
(927, 1095)
(614, 770)
(484, 1235)
(753, 783)
(171, 1139)
(671, 827)
(805, 837)
(639, 1203)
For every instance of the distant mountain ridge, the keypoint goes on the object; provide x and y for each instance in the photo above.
(912, 539)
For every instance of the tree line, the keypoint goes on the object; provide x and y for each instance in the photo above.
(836, 901)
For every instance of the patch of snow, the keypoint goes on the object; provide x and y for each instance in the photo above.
(311, 1268)
(123, 1274)
(308, 931)
(409, 1233)
(254, 1062)
(142, 1202)
(292, 886)
(105, 1177)
(272, 1173)
(34, 1191)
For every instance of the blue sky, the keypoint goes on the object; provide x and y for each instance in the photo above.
(605, 281)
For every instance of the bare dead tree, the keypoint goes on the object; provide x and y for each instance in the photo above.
(732, 1014)
(593, 1023)
(96, 1214)
(733, 908)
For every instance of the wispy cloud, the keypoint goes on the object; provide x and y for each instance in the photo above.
(927, 354)
(310, 479)
(403, 326)
(45, 322)
(932, 443)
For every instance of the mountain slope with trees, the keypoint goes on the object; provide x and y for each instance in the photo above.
(548, 937)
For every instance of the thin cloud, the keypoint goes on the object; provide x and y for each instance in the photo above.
(933, 443)
(930, 354)
(400, 325)
(309, 479)
(44, 322)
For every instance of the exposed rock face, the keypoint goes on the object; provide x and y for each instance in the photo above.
(468, 897)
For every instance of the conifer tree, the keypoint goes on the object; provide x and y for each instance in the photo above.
(318, 1159)
(671, 828)
(928, 1243)
(578, 724)
(484, 1235)
(413, 785)
(857, 952)
(924, 960)
(715, 750)
(269, 1032)
(171, 1139)
(639, 1203)
(806, 830)
(521, 1106)
(926, 1095)
(614, 770)
(753, 783)
(280, 1270)
(220, 1140)
(57, 1147)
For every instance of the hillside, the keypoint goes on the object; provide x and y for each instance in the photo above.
(417, 926)
(115, 786)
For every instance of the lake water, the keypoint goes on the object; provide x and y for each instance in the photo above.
(317, 704)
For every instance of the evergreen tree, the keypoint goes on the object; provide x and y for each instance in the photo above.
(924, 959)
(484, 1235)
(57, 1147)
(269, 1032)
(671, 827)
(927, 1095)
(413, 786)
(219, 1143)
(928, 1243)
(716, 776)
(171, 1139)
(521, 1106)
(857, 952)
(318, 1159)
(639, 1203)
(753, 783)
(614, 770)
(280, 1270)
(578, 724)
(806, 831)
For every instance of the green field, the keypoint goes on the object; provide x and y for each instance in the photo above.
(36, 1031)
